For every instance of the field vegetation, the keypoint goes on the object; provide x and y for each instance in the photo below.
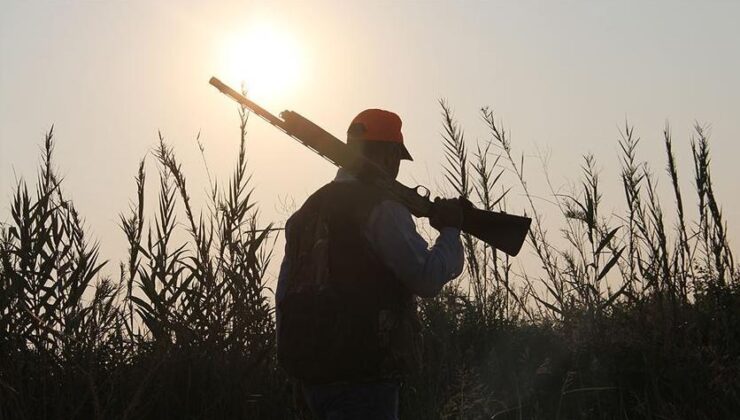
(629, 315)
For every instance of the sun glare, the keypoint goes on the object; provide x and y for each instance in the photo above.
(265, 59)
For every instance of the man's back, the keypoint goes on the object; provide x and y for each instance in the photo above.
(344, 316)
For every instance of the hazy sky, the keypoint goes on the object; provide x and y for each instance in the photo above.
(564, 76)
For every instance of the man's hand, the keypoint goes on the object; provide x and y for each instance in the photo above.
(447, 212)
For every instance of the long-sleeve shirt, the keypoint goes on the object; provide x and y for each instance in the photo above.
(391, 233)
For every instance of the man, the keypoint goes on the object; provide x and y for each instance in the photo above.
(354, 264)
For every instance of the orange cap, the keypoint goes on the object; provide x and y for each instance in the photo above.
(378, 125)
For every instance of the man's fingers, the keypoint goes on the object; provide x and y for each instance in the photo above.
(447, 212)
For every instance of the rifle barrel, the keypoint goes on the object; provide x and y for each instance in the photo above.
(500, 230)
(238, 97)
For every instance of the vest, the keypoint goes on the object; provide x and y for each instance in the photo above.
(344, 314)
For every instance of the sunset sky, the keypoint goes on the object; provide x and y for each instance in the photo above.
(563, 76)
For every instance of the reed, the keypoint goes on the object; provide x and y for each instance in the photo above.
(186, 330)
(614, 324)
(632, 312)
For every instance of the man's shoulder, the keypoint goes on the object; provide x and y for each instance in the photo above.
(351, 194)
(315, 196)
(390, 212)
(308, 205)
(354, 198)
(392, 206)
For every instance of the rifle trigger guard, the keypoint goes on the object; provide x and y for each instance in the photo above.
(422, 191)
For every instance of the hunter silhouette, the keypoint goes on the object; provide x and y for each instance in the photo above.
(354, 265)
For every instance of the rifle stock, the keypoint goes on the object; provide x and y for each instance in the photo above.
(502, 231)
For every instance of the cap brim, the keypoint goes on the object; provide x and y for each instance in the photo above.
(405, 155)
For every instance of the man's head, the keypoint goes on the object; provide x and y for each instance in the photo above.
(377, 135)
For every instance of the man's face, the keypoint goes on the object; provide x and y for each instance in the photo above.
(385, 155)
(392, 161)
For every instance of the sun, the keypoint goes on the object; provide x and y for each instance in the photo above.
(265, 59)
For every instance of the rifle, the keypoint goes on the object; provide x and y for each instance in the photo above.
(502, 231)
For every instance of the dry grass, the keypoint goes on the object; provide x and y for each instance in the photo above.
(632, 319)
(637, 318)
(186, 331)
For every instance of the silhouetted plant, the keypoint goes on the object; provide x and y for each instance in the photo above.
(621, 306)
(625, 319)
(205, 299)
(188, 329)
(51, 334)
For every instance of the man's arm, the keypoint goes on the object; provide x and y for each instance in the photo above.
(393, 236)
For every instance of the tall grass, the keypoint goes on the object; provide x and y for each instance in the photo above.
(186, 331)
(631, 313)
(55, 343)
(626, 319)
